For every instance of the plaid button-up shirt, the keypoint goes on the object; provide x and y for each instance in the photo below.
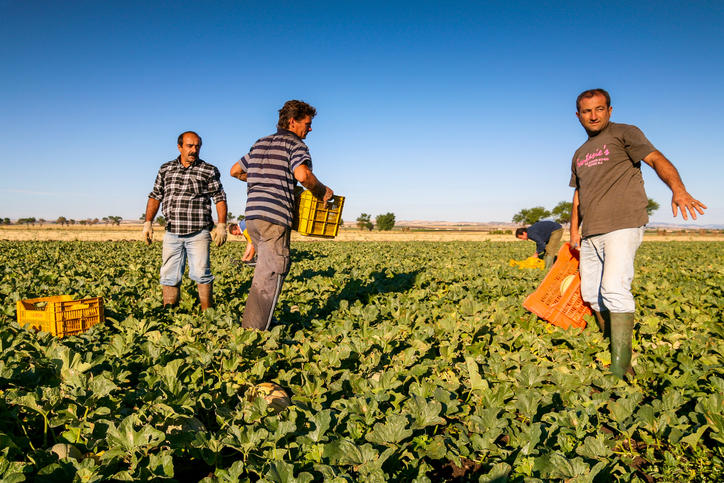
(185, 194)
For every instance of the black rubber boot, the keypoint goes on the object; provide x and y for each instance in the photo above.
(621, 336)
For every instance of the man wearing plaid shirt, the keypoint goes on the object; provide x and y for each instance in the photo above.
(185, 186)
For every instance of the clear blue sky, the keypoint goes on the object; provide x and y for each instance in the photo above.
(457, 111)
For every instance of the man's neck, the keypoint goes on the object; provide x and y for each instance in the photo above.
(186, 163)
(593, 134)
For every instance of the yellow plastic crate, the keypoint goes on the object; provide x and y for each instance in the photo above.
(315, 217)
(60, 315)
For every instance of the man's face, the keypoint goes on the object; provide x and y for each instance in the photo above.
(594, 113)
(301, 127)
(189, 148)
(523, 236)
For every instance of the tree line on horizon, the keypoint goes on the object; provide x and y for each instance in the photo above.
(383, 222)
(62, 220)
(561, 213)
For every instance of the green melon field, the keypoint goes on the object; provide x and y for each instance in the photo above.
(406, 361)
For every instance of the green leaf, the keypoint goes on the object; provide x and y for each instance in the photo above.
(283, 472)
(394, 430)
(476, 382)
(425, 413)
(321, 421)
(497, 474)
(594, 448)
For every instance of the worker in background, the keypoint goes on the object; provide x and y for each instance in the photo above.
(185, 186)
(239, 229)
(548, 238)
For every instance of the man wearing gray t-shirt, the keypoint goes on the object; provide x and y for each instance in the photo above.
(609, 214)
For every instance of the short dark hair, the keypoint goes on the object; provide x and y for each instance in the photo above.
(180, 139)
(296, 110)
(520, 231)
(590, 93)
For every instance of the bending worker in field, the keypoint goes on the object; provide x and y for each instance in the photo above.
(185, 186)
(271, 170)
(609, 205)
(548, 238)
(249, 257)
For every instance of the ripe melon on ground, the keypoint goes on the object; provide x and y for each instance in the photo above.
(272, 393)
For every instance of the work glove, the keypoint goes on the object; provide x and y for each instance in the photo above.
(218, 234)
(147, 232)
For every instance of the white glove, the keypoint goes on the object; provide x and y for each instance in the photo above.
(147, 232)
(218, 234)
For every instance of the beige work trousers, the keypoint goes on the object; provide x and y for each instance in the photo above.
(272, 245)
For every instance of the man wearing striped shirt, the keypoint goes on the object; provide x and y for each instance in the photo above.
(185, 186)
(271, 170)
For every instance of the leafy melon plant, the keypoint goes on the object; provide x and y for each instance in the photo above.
(402, 362)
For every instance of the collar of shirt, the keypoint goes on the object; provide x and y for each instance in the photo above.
(190, 165)
(287, 132)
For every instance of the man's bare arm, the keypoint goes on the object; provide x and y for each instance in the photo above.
(237, 172)
(152, 209)
(680, 199)
(575, 222)
(305, 176)
(221, 209)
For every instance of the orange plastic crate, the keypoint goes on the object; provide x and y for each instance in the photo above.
(60, 315)
(547, 302)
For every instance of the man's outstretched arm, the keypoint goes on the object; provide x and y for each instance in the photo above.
(680, 199)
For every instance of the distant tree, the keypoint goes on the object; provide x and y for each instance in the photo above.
(562, 212)
(27, 221)
(161, 220)
(115, 220)
(61, 221)
(41, 221)
(229, 216)
(241, 218)
(528, 216)
(105, 220)
(363, 222)
(6, 221)
(385, 222)
(651, 206)
(71, 221)
(142, 217)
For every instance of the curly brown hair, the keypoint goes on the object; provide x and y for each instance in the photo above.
(296, 110)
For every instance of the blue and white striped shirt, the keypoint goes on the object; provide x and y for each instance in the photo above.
(270, 165)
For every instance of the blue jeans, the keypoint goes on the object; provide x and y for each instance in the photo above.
(607, 269)
(176, 248)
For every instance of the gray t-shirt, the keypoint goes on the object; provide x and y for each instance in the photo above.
(606, 169)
